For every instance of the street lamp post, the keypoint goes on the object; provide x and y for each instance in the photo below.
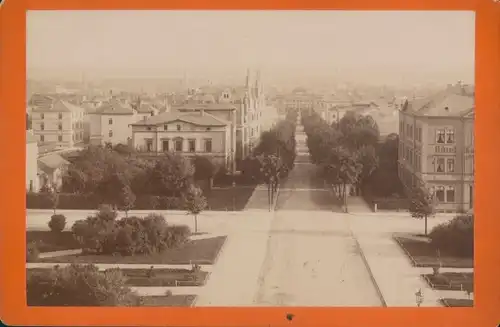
(419, 297)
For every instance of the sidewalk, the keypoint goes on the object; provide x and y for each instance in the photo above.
(259, 199)
(234, 279)
(396, 278)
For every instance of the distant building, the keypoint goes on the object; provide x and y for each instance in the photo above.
(32, 181)
(197, 132)
(437, 146)
(247, 101)
(56, 122)
(110, 122)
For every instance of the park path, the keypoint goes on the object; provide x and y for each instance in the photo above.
(312, 259)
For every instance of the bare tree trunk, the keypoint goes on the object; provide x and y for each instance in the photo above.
(196, 223)
(425, 219)
(269, 196)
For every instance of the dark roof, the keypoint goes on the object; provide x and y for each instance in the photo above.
(195, 118)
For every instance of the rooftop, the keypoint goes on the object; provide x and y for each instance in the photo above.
(52, 162)
(455, 101)
(51, 104)
(200, 118)
(114, 107)
(208, 107)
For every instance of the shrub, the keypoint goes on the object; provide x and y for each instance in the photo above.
(456, 236)
(65, 201)
(57, 223)
(128, 236)
(79, 285)
(32, 252)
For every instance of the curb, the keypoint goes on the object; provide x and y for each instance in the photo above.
(370, 273)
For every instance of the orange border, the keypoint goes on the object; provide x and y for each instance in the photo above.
(12, 223)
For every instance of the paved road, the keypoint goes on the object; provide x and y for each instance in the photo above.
(312, 258)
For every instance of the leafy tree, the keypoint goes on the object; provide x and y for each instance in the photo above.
(204, 168)
(342, 170)
(57, 223)
(367, 157)
(171, 176)
(195, 203)
(271, 171)
(112, 188)
(422, 204)
(79, 285)
(358, 130)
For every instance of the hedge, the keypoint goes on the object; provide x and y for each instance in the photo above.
(455, 236)
(78, 285)
(91, 202)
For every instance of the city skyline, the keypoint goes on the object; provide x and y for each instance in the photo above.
(378, 47)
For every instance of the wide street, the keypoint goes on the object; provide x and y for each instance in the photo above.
(312, 259)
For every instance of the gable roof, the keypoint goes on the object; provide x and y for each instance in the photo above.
(56, 105)
(447, 103)
(51, 162)
(198, 118)
(114, 107)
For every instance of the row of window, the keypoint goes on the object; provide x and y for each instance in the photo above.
(78, 124)
(411, 132)
(178, 145)
(444, 165)
(441, 164)
(444, 194)
(443, 135)
(59, 116)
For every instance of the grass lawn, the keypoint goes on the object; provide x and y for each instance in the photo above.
(450, 281)
(48, 241)
(457, 302)
(169, 301)
(223, 199)
(423, 254)
(203, 251)
(157, 277)
(164, 277)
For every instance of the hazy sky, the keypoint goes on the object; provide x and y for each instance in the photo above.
(371, 46)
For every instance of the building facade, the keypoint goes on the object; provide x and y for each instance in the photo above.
(31, 163)
(188, 133)
(111, 123)
(436, 147)
(242, 105)
(56, 122)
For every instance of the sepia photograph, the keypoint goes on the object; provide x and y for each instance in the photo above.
(265, 158)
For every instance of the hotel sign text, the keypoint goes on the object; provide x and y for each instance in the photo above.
(445, 149)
